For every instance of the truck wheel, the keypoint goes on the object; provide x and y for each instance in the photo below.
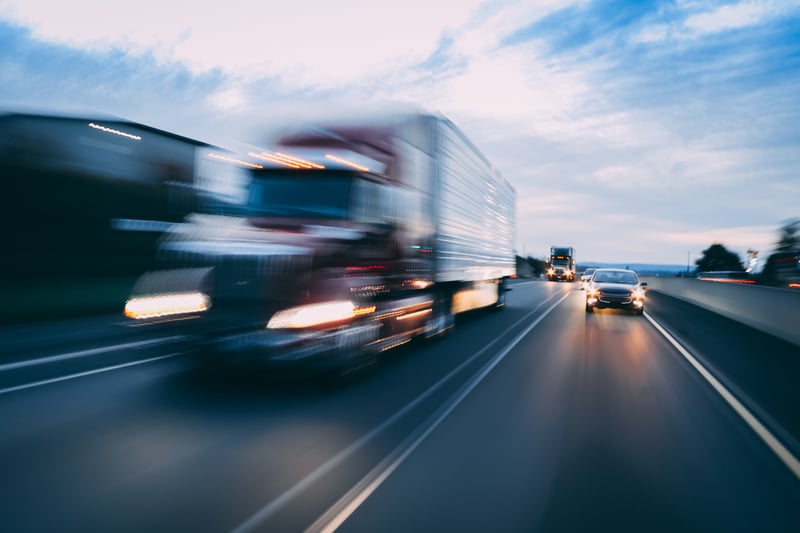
(441, 320)
(501, 295)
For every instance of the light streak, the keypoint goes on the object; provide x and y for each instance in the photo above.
(346, 162)
(115, 132)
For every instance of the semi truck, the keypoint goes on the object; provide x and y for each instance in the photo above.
(561, 263)
(346, 239)
(85, 200)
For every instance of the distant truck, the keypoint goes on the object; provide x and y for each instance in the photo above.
(350, 239)
(561, 263)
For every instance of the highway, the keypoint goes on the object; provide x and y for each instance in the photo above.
(539, 417)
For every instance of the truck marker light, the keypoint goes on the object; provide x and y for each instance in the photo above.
(361, 311)
(297, 160)
(286, 160)
(233, 160)
(115, 132)
(162, 305)
(365, 268)
(271, 159)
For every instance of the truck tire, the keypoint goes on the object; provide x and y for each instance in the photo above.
(441, 320)
(501, 295)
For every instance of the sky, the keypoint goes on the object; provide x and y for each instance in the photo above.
(634, 131)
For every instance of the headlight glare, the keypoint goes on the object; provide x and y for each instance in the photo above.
(319, 314)
(162, 305)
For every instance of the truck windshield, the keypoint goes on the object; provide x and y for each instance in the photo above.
(327, 194)
(299, 194)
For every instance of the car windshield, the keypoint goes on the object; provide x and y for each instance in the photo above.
(612, 276)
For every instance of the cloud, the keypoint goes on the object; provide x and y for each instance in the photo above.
(514, 85)
(729, 17)
(696, 20)
(310, 42)
(633, 131)
(737, 238)
(230, 98)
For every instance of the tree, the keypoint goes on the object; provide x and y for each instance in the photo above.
(718, 258)
(789, 240)
(788, 245)
(529, 267)
(537, 265)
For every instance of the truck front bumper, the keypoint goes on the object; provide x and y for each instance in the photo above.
(288, 348)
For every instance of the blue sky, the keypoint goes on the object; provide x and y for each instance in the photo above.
(633, 131)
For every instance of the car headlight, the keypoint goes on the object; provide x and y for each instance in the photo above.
(305, 316)
(162, 305)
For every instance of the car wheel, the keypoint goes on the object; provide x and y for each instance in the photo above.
(589, 308)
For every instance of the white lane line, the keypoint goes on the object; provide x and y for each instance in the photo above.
(85, 353)
(87, 373)
(771, 441)
(266, 512)
(352, 500)
(520, 283)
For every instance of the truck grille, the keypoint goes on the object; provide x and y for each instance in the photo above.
(244, 276)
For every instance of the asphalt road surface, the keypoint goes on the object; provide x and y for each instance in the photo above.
(539, 417)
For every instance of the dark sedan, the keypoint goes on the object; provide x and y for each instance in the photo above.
(616, 288)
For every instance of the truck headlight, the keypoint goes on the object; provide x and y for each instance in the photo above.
(305, 316)
(161, 305)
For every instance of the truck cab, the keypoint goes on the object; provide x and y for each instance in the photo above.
(307, 263)
(561, 263)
